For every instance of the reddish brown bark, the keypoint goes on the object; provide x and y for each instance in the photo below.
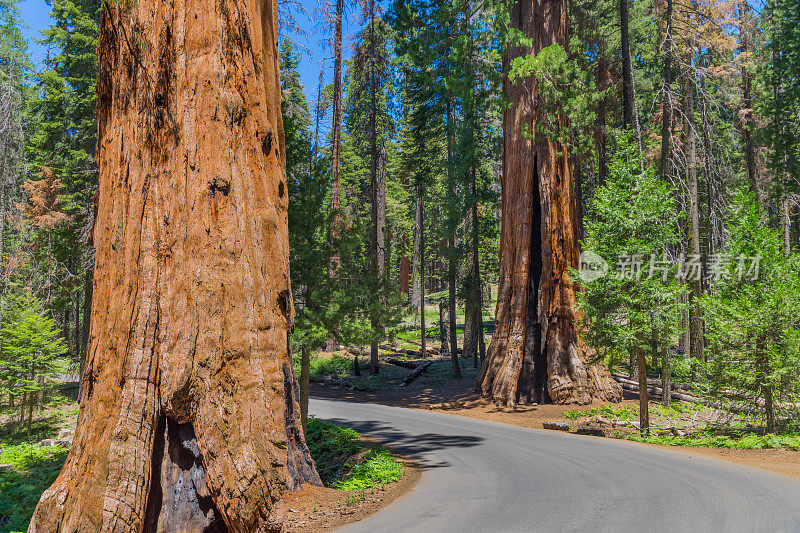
(534, 355)
(404, 268)
(189, 413)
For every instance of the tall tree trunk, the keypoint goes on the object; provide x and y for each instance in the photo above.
(452, 259)
(746, 111)
(473, 308)
(627, 75)
(416, 261)
(382, 253)
(630, 114)
(535, 355)
(336, 142)
(666, 378)
(190, 409)
(404, 268)
(603, 76)
(421, 216)
(666, 114)
(3, 277)
(305, 377)
(786, 221)
(76, 326)
(696, 339)
(644, 406)
(377, 186)
(88, 284)
(578, 198)
(713, 222)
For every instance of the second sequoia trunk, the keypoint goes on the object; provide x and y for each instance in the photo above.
(534, 355)
(189, 417)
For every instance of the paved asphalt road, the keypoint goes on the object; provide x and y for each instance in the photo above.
(491, 478)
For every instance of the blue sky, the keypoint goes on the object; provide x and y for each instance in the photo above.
(36, 16)
(313, 40)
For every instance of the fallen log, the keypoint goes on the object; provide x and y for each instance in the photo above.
(656, 382)
(404, 364)
(406, 351)
(430, 349)
(633, 386)
(417, 372)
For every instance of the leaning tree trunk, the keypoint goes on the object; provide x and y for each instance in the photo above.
(534, 355)
(189, 412)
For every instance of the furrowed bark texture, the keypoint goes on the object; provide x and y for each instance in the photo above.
(534, 355)
(189, 407)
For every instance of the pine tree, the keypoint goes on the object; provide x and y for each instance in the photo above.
(30, 352)
(634, 309)
(754, 312)
(309, 251)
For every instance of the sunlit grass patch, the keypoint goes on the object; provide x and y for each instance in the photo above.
(344, 461)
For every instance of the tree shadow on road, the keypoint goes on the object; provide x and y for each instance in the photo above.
(414, 446)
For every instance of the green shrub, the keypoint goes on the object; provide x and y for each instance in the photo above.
(345, 462)
(378, 468)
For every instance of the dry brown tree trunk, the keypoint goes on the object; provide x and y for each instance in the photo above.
(603, 81)
(189, 414)
(534, 355)
(336, 135)
(696, 337)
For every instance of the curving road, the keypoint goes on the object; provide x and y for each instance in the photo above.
(488, 477)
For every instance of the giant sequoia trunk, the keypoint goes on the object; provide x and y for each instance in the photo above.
(189, 412)
(534, 355)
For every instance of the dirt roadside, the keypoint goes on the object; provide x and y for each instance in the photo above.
(315, 509)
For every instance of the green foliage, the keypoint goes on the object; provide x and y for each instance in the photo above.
(30, 348)
(780, 73)
(334, 365)
(748, 442)
(753, 316)
(631, 411)
(309, 250)
(63, 137)
(565, 91)
(379, 468)
(33, 470)
(345, 462)
(634, 223)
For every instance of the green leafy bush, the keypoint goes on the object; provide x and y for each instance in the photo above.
(345, 462)
(378, 468)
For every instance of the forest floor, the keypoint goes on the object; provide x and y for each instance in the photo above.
(438, 390)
